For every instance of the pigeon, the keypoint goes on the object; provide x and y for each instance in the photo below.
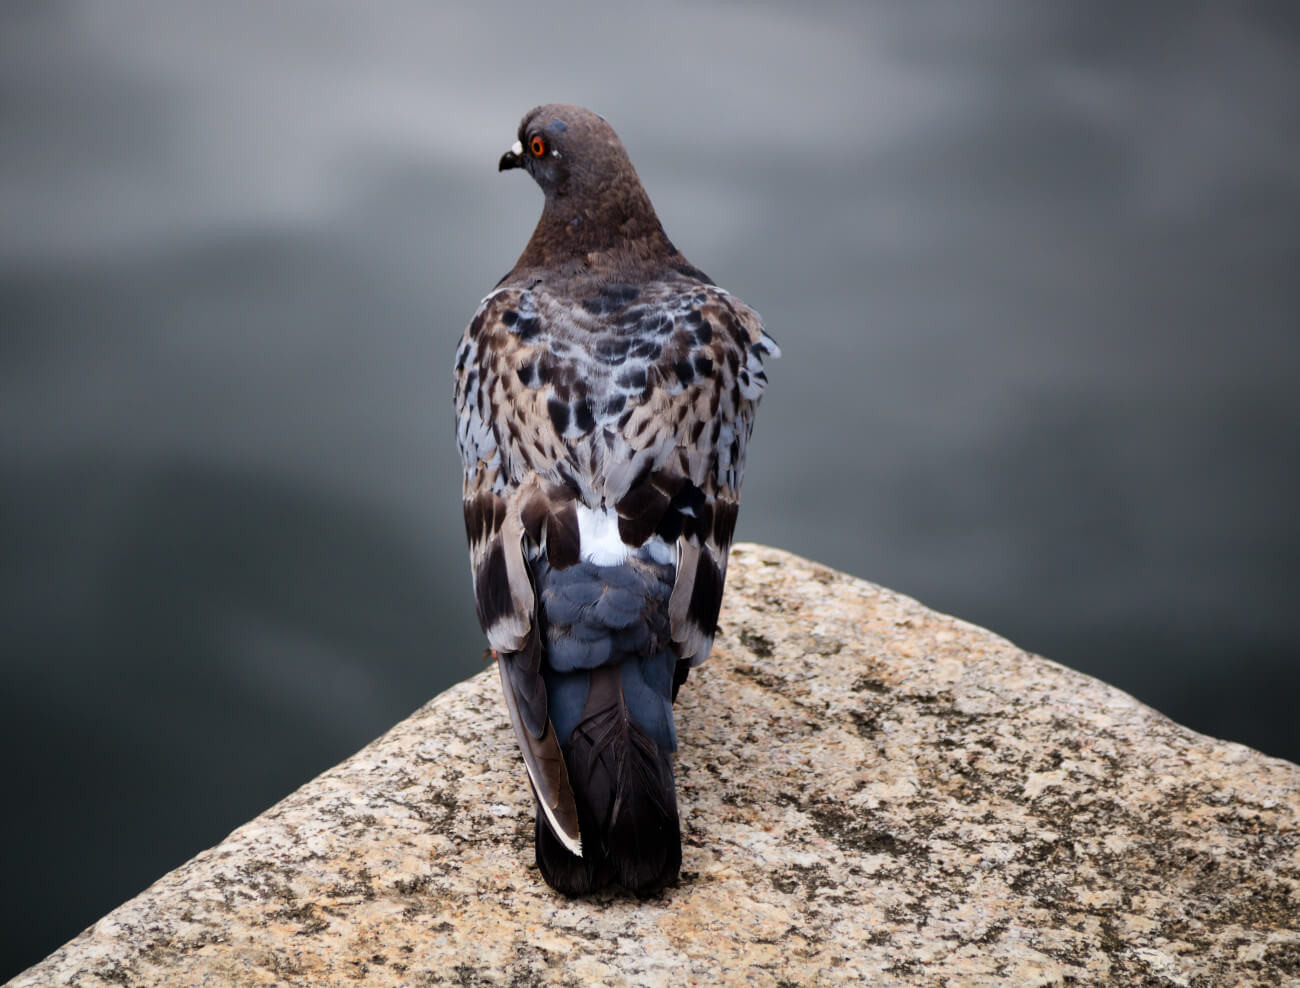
(605, 393)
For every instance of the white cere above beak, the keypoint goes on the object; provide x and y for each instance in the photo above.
(517, 148)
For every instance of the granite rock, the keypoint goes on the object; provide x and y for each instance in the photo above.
(871, 793)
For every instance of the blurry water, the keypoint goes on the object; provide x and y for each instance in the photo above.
(1033, 269)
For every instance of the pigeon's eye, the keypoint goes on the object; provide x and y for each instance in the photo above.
(537, 146)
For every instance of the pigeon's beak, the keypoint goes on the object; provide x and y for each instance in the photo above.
(514, 158)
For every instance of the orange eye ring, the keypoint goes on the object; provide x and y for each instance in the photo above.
(537, 146)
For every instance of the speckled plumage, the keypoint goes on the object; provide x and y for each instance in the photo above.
(605, 393)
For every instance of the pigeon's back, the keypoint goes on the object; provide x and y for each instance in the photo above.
(605, 393)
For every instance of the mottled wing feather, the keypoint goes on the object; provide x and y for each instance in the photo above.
(504, 606)
(697, 423)
(503, 587)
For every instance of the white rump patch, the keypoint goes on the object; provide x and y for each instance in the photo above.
(598, 538)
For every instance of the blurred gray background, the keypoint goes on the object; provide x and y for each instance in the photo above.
(1034, 267)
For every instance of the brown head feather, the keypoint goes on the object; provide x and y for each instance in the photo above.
(597, 224)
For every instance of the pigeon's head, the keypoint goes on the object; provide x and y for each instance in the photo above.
(570, 152)
(596, 212)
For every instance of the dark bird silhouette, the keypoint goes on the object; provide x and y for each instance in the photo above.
(605, 393)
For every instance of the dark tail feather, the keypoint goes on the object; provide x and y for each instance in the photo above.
(627, 802)
(564, 871)
(680, 672)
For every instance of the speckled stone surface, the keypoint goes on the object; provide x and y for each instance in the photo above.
(871, 792)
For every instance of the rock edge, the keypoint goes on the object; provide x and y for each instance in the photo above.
(871, 792)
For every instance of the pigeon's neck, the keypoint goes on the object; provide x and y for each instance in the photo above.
(618, 232)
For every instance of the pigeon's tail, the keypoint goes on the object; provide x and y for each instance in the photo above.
(627, 803)
(609, 681)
